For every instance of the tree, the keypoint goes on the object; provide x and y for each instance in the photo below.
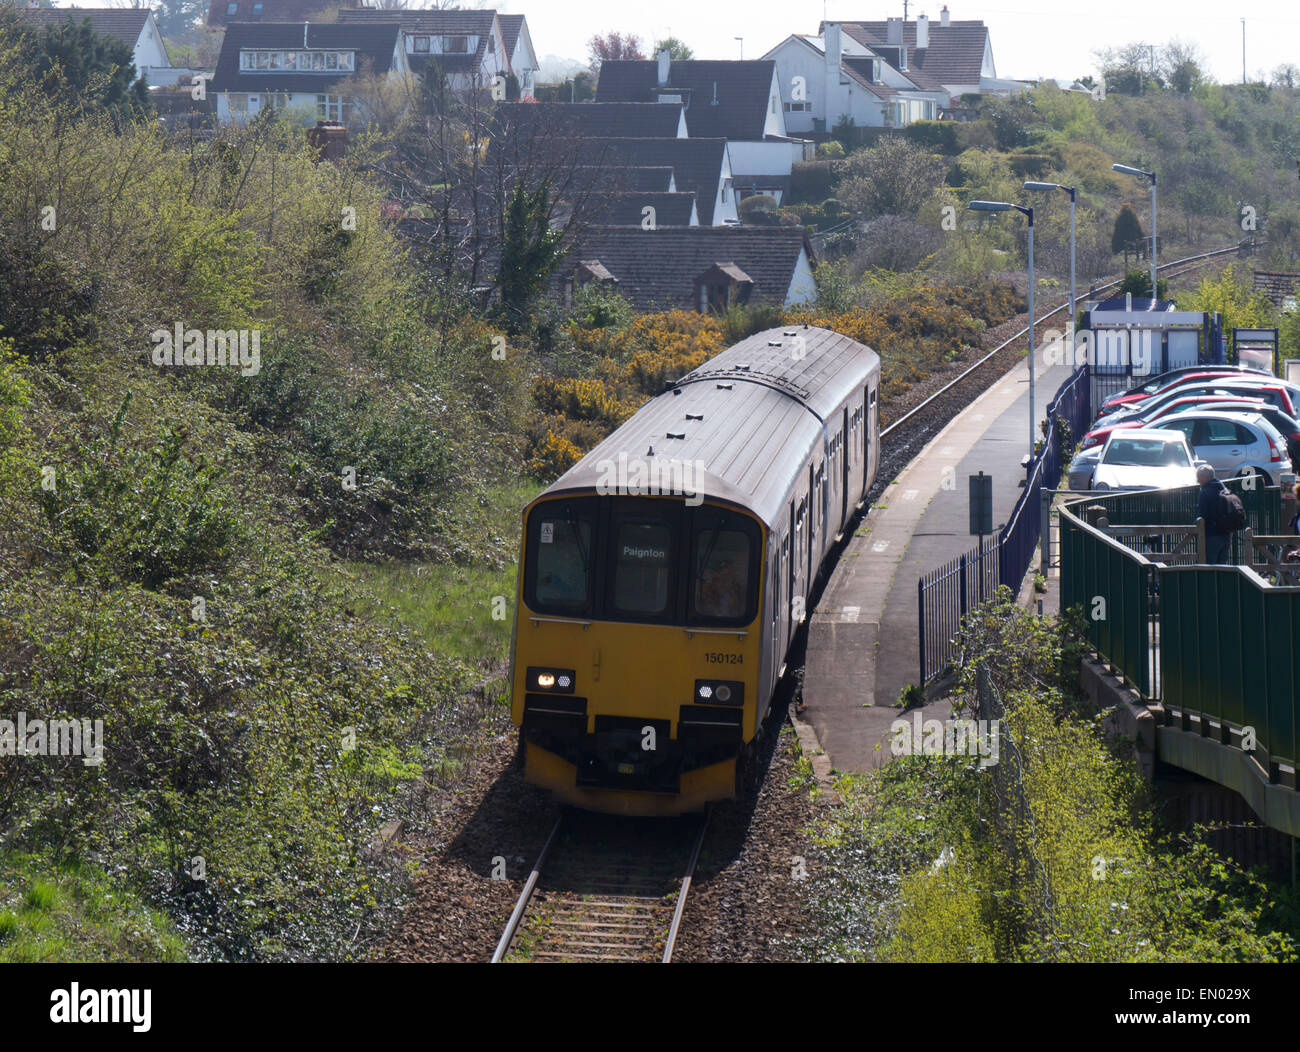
(1127, 234)
(1183, 66)
(176, 17)
(71, 61)
(677, 51)
(1286, 76)
(894, 177)
(612, 47)
(1138, 283)
(530, 250)
(1130, 69)
(1009, 120)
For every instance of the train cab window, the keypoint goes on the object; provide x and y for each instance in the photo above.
(644, 558)
(560, 554)
(722, 567)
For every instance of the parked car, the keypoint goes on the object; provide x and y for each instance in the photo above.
(1098, 435)
(1082, 467)
(1232, 443)
(1288, 427)
(1172, 378)
(1145, 458)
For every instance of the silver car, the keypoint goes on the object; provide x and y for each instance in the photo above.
(1082, 467)
(1240, 443)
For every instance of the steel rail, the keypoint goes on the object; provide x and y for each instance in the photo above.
(685, 889)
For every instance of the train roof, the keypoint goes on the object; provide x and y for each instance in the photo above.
(751, 415)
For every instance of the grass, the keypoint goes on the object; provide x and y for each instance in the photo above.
(76, 912)
(459, 611)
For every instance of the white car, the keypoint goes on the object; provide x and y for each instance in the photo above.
(1144, 458)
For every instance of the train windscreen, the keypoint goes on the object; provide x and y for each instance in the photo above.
(641, 559)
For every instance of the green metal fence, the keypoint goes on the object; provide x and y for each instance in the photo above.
(1228, 653)
(1115, 588)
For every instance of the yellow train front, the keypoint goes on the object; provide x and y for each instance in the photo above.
(663, 577)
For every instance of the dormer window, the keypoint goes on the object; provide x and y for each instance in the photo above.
(257, 9)
(421, 44)
(455, 45)
(232, 9)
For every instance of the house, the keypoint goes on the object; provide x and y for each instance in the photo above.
(884, 74)
(304, 67)
(736, 101)
(519, 50)
(468, 46)
(700, 268)
(222, 12)
(700, 166)
(135, 27)
(957, 55)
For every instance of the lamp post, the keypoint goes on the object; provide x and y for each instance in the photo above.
(1071, 191)
(1152, 176)
(1006, 206)
(742, 48)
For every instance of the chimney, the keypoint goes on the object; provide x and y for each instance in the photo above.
(943, 16)
(665, 60)
(831, 38)
(922, 32)
(894, 31)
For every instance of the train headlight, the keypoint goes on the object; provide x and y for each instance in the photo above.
(719, 692)
(552, 680)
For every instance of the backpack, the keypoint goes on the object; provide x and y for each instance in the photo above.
(1229, 512)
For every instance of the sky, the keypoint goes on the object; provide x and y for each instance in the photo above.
(1030, 40)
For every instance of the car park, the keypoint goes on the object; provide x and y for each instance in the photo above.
(1269, 389)
(1098, 435)
(1144, 458)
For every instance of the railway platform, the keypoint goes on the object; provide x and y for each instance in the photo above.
(863, 644)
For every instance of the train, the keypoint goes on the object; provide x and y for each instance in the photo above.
(663, 578)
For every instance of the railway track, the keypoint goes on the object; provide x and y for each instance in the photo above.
(607, 889)
(904, 437)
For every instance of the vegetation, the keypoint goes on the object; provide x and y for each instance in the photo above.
(1050, 854)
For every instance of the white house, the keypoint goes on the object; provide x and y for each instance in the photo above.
(519, 50)
(135, 27)
(304, 67)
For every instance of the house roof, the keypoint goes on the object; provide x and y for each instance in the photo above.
(632, 120)
(124, 24)
(626, 209)
(650, 180)
(658, 268)
(512, 26)
(697, 163)
(860, 70)
(373, 43)
(270, 10)
(742, 91)
(955, 54)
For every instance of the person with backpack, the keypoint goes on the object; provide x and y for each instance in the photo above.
(1223, 514)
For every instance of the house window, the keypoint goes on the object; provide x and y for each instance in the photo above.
(798, 107)
(257, 10)
(771, 104)
(278, 100)
(492, 45)
(455, 45)
(232, 9)
(237, 103)
(421, 44)
(300, 60)
(333, 108)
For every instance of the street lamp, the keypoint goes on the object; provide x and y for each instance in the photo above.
(1152, 176)
(1006, 206)
(1071, 191)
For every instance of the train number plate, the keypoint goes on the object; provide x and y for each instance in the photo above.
(718, 658)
